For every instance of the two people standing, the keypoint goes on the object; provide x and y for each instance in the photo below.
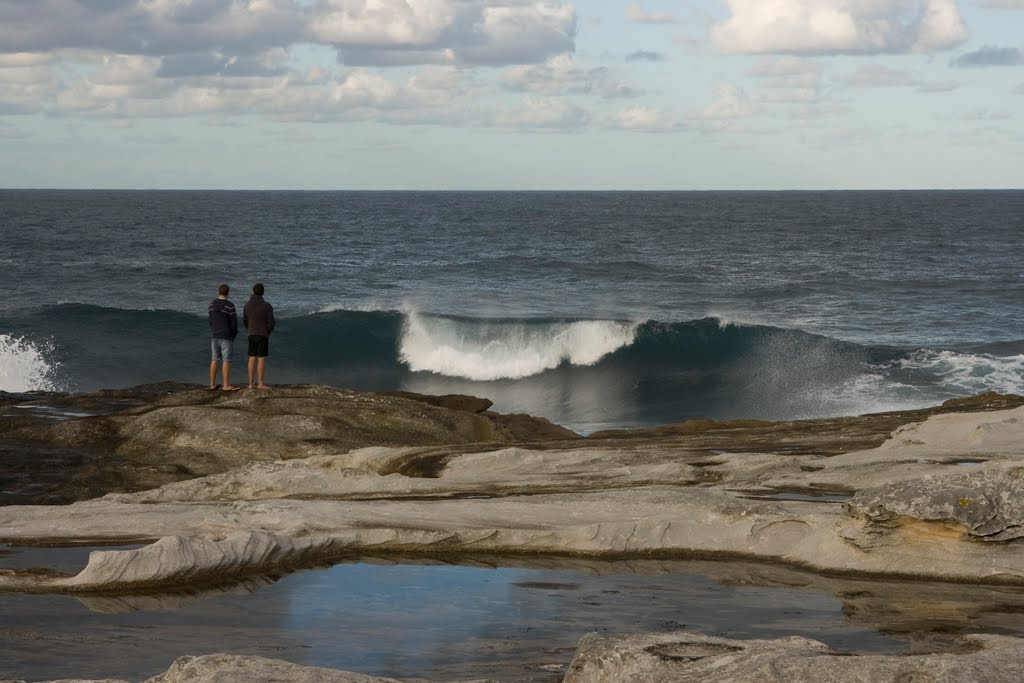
(258, 320)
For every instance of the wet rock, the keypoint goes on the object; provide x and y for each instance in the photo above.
(693, 658)
(142, 438)
(468, 404)
(825, 436)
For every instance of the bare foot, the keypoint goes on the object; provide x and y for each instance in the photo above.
(214, 387)
(263, 386)
(252, 386)
(230, 387)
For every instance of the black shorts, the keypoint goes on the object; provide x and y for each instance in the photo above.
(259, 346)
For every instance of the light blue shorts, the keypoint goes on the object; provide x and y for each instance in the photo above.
(221, 349)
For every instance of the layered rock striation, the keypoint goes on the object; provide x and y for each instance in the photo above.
(949, 508)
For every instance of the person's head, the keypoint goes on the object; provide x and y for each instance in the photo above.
(223, 290)
(257, 289)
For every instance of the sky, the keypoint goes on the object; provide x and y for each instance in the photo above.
(512, 94)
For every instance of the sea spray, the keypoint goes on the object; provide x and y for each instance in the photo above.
(24, 366)
(966, 373)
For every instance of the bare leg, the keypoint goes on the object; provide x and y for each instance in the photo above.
(213, 374)
(252, 371)
(262, 372)
(226, 373)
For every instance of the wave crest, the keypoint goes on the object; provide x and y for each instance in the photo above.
(493, 350)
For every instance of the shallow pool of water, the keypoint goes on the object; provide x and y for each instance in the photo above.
(424, 618)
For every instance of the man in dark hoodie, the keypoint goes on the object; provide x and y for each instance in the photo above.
(258, 318)
(223, 329)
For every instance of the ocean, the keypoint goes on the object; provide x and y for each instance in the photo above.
(595, 310)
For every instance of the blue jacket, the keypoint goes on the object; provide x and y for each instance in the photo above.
(223, 319)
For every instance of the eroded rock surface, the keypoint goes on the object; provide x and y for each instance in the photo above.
(601, 498)
(679, 657)
(58, 448)
(693, 658)
(307, 475)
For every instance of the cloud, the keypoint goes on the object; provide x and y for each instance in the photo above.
(126, 87)
(787, 72)
(731, 103)
(541, 114)
(26, 82)
(383, 23)
(213, 63)
(561, 76)
(1002, 4)
(635, 13)
(879, 76)
(152, 27)
(642, 119)
(645, 56)
(1019, 90)
(990, 56)
(366, 32)
(839, 27)
(787, 80)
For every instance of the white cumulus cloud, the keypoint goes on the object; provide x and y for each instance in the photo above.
(839, 26)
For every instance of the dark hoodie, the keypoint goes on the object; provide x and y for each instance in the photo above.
(223, 319)
(258, 317)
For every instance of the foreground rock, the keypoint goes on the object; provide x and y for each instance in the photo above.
(58, 448)
(924, 495)
(692, 658)
(679, 658)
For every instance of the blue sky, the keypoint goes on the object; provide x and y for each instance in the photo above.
(512, 94)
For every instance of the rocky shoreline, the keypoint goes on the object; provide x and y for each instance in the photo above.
(229, 487)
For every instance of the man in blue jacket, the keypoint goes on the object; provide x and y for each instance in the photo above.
(223, 329)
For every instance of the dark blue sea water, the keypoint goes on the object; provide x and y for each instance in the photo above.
(592, 309)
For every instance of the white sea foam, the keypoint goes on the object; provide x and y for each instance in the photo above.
(363, 307)
(483, 351)
(969, 373)
(23, 366)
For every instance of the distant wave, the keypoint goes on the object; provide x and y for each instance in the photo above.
(582, 372)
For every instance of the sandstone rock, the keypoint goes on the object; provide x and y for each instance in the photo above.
(692, 658)
(223, 668)
(142, 438)
(989, 505)
(602, 497)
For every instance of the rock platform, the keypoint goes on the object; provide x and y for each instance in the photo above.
(251, 483)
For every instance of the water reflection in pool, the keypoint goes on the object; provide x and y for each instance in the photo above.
(423, 618)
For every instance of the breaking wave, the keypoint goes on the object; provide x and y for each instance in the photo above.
(587, 374)
(511, 349)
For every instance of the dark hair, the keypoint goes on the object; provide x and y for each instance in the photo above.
(223, 290)
(257, 289)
